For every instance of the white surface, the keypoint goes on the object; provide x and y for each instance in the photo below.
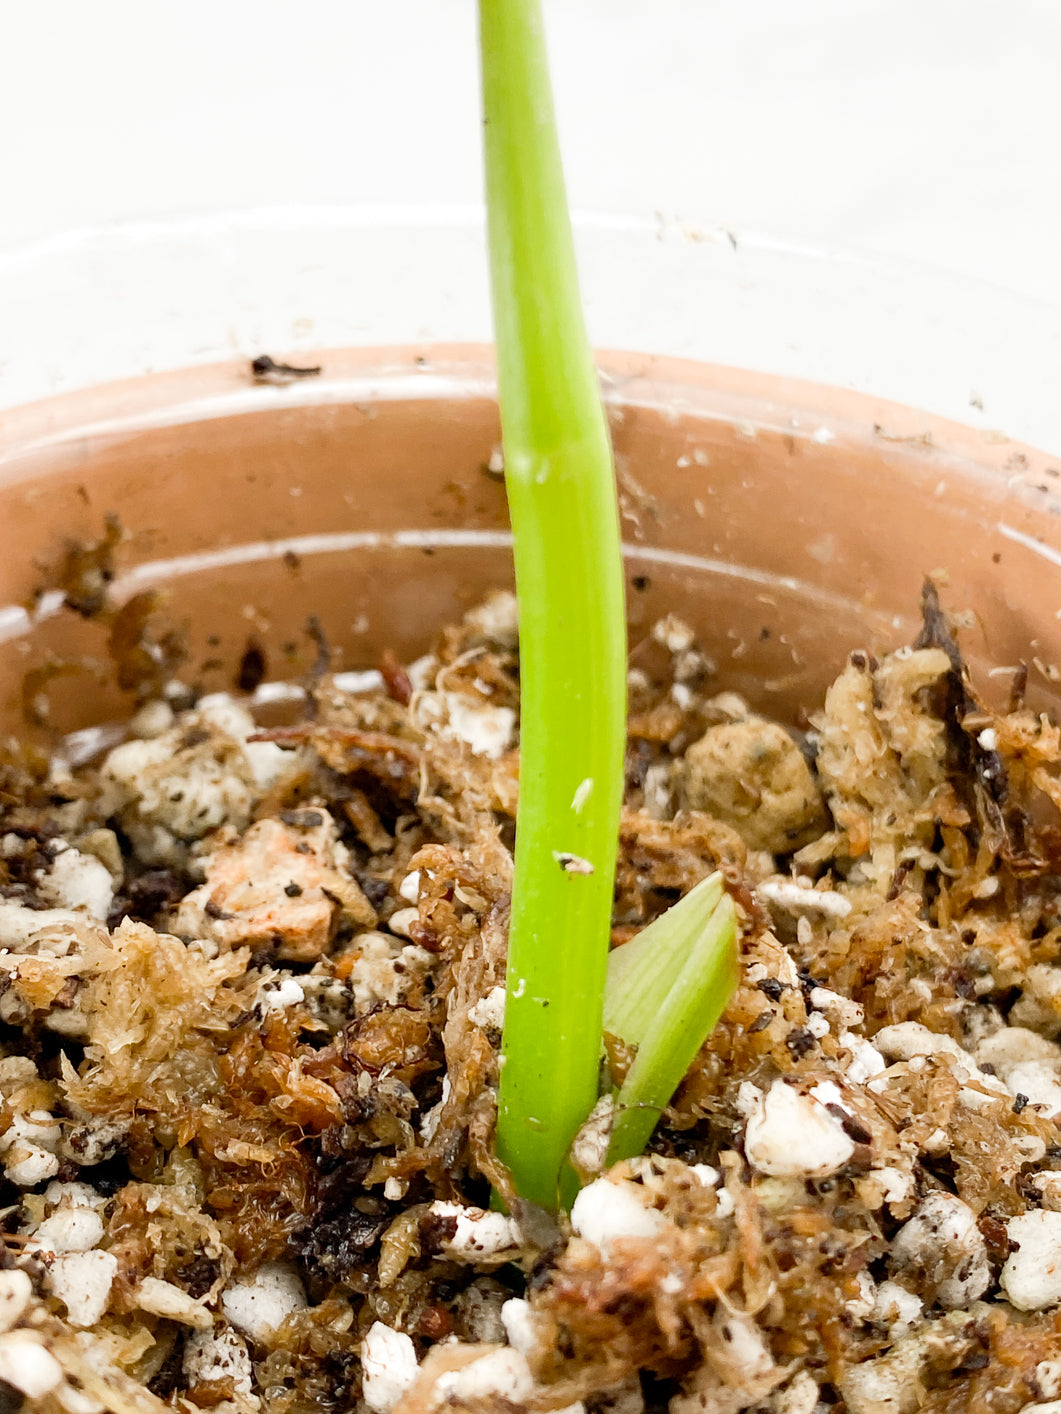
(388, 1366)
(890, 173)
(791, 1135)
(258, 1305)
(1031, 1277)
(605, 1211)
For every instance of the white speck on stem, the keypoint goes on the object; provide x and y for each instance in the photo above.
(572, 863)
(581, 795)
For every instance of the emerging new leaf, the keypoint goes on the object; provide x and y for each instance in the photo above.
(664, 994)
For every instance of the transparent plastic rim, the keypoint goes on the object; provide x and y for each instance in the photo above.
(96, 305)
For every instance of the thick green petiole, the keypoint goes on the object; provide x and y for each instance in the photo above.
(561, 489)
(665, 991)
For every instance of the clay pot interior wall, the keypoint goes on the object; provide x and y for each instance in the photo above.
(786, 523)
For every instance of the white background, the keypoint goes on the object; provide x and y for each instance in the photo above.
(890, 172)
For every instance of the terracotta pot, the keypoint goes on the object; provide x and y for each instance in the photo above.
(787, 523)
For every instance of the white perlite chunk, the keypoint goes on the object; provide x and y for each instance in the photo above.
(605, 1211)
(842, 1010)
(861, 1307)
(401, 921)
(177, 787)
(1009, 1046)
(893, 1383)
(26, 1364)
(497, 617)
(219, 1355)
(1031, 1278)
(92, 1140)
(790, 1135)
(257, 1305)
(28, 1165)
(153, 718)
(1038, 1082)
(267, 761)
(708, 1175)
(69, 1230)
(887, 1184)
(1028, 1064)
(16, 1291)
(743, 1343)
(799, 1397)
(521, 1324)
(163, 787)
(502, 1372)
(388, 1366)
(82, 1281)
(80, 882)
(75, 1194)
(75, 1223)
(489, 1011)
(887, 1385)
(18, 924)
(384, 970)
(673, 633)
(896, 1308)
(908, 1039)
(866, 1060)
(827, 1093)
(943, 1242)
(480, 1236)
(485, 728)
(1048, 1378)
(287, 992)
(28, 1148)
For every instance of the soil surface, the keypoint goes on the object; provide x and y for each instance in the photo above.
(251, 997)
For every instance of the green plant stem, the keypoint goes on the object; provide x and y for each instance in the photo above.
(561, 489)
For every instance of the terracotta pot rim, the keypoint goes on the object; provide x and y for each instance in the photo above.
(804, 409)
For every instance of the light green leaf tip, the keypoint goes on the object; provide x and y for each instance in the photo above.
(665, 992)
